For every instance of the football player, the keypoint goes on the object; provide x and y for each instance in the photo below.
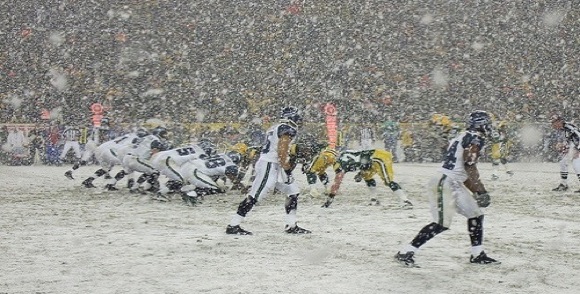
(500, 150)
(570, 150)
(457, 188)
(248, 156)
(274, 170)
(94, 139)
(136, 158)
(368, 163)
(316, 169)
(176, 164)
(107, 156)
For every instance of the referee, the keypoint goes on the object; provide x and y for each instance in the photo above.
(71, 135)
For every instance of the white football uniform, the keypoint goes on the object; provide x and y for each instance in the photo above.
(269, 173)
(138, 155)
(572, 135)
(447, 193)
(169, 162)
(217, 165)
(107, 154)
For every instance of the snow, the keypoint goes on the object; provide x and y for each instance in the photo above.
(56, 237)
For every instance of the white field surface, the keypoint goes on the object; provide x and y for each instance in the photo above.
(56, 237)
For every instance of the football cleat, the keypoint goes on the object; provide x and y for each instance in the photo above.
(110, 187)
(509, 172)
(578, 191)
(68, 175)
(138, 191)
(358, 178)
(88, 184)
(160, 197)
(190, 200)
(406, 205)
(405, 258)
(561, 187)
(296, 230)
(236, 230)
(482, 258)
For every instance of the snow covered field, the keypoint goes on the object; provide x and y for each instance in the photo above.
(56, 237)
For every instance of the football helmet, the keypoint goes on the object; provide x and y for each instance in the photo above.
(207, 146)
(142, 133)
(480, 121)
(349, 161)
(160, 132)
(291, 116)
(235, 157)
(159, 145)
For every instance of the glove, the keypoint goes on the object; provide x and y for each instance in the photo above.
(289, 177)
(483, 199)
(329, 200)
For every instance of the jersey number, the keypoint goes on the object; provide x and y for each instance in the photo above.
(215, 162)
(450, 159)
(185, 151)
(266, 147)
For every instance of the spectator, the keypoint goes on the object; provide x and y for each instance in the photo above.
(366, 137)
(391, 133)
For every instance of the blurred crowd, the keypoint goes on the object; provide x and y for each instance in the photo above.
(240, 61)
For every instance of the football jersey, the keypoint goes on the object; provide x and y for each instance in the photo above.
(325, 159)
(273, 135)
(71, 134)
(142, 147)
(572, 134)
(179, 155)
(113, 146)
(215, 165)
(453, 162)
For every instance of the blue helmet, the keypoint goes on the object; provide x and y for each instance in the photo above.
(207, 146)
(479, 121)
(160, 132)
(235, 157)
(141, 132)
(291, 116)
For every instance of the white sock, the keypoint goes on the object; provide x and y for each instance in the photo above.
(409, 248)
(476, 250)
(291, 218)
(236, 220)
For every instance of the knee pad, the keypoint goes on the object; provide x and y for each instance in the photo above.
(394, 186)
(371, 183)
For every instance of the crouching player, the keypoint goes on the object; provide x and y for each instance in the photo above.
(369, 163)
